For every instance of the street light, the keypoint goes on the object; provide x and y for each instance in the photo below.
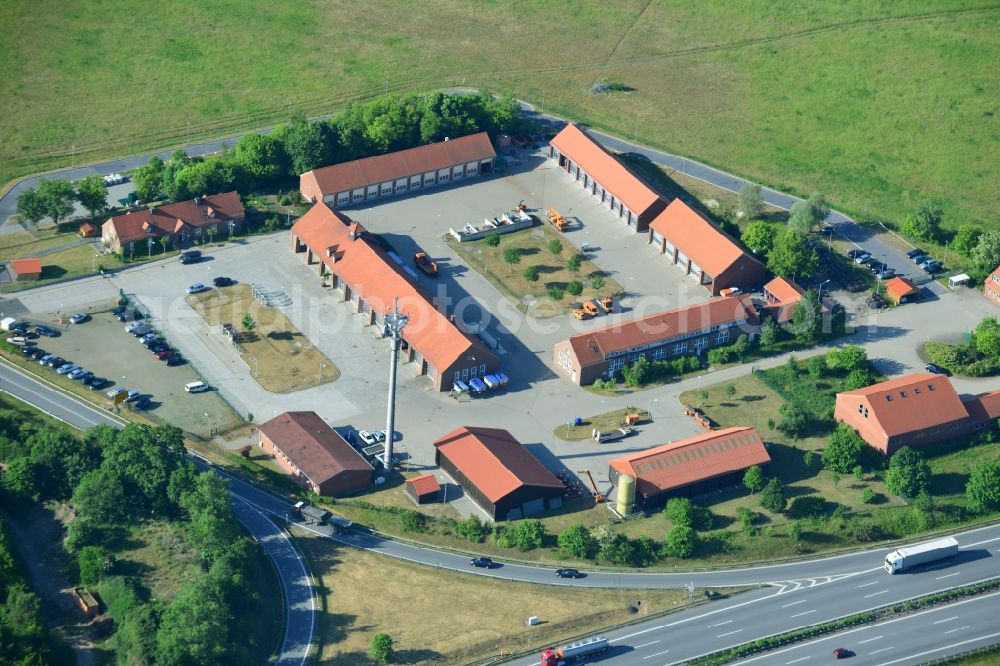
(649, 408)
(820, 299)
(830, 229)
(444, 489)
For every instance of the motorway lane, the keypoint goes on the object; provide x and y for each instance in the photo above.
(719, 625)
(300, 608)
(943, 631)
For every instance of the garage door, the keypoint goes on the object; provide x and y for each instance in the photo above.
(533, 507)
(695, 272)
(657, 238)
(555, 502)
(682, 261)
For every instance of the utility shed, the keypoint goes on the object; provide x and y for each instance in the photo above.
(498, 472)
(423, 489)
(26, 269)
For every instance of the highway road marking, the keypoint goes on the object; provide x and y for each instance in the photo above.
(721, 623)
(645, 645)
(800, 601)
(869, 640)
(947, 620)
(951, 631)
(980, 543)
(875, 594)
(940, 649)
(874, 582)
(806, 613)
(882, 650)
(729, 633)
(794, 661)
(948, 576)
(656, 655)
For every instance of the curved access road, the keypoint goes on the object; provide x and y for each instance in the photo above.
(291, 569)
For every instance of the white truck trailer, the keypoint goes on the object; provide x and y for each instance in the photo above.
(908, 557)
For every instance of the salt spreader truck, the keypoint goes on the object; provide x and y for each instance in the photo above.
(908, 557)
(570, 654)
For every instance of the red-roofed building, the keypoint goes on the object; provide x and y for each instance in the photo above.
(692, 466)
(605, 178)
(399, 172)
(498, 472)
(423, 489)
(915, 411)
(665, 335)
(315, 454)
(899, 290)
(88, 230)
(183, 222)
(342, 250)
(702, 251)
(781, 296)
(991, 287)
(26, 269)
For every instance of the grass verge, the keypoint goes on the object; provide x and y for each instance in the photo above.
(280, 358)
(607, 421)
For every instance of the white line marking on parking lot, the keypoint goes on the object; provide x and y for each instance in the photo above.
(947, 620)
(800, 601)
(869, 640)
(875, 594)
(729, 633)
(806, 613)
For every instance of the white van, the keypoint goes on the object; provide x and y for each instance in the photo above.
(196, 387)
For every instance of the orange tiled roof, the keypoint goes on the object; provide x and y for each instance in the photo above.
(694, 459)
(493, 461)
(26, 266)
(171, 218)
(612, 175)
(898, 287)
(698, 239)
(929, 400)
(983, 407)
(379, 281)
(425, 484)
(784, 290)
(594, 346)
(402, 163)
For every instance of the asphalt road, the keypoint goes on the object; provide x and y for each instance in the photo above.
(936, 633)
(293, 574)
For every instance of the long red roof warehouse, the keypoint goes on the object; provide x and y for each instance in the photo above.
(694, 459)
(495, 462)
(700, 240)
(909, 403)
(380, 281)
(612, 175)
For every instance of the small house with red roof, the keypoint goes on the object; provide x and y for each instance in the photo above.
(991, 287)
(88, 230)
(183, 222)
(498, 472)
(900, 290)
(605, 178)
(423, 489)
(26, 269)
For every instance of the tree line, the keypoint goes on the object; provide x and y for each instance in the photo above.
(113, 480)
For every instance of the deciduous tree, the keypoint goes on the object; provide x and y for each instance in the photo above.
(924, 223)
(31, 206)
(753, 478)
(807, 319)
(679, 542)
(92, 193)
(908, 475)
(759, 236)
(380, 648)
(987, 251)
(261, 156)
(58, 196)
(966, 238)
(751, 201)
(577, 541)
(983, 488)
(843, 452)
(148, 180)
(791, 257)
(531, 273)
(555, 246)
(847, 358)
(772, 497)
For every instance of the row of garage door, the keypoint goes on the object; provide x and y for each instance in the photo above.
(598, 192)
(680, 260)
(416, 182)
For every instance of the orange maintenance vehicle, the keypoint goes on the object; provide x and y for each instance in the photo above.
(424, 263)
(557, 220)
(607, 303)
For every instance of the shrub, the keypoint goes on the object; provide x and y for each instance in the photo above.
(983, 488)
(807, 506)
(772, 497)
(531, 273)
(577, 541)
(556, 294)
(380, 649)
(843, 453)
(679, 542)
(492, 239)
(575, 287)
(526, 534)
(272, 223)
(94, 564)
(413, 521)
(868, 496)
(472, 529)
(747, 518)
(597, 282)
(908, 474)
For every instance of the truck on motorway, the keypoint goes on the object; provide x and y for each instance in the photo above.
(908, 557)
(573, 652)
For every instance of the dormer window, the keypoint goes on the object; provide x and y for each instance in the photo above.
(902, 394)
(888, 398)
(930, 387)
(916, 391)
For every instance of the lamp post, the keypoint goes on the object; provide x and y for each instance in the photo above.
(394, 324)
(820, 299)
(649, 407)
(945, 260)
(444, 490)
(830, 229)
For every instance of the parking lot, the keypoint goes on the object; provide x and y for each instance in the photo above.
(103, 347)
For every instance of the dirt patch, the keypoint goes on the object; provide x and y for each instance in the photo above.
(280, 357)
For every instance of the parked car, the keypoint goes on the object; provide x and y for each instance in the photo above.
(196, 288)
(85, 377)
(55, 362)
(854, 254)
(936, 369)
(162, 355)
(196, 387)
(173, 360)
(42, 329)
(190, 257)
(222, 282)
(142, 404)
(96, 383)
(159, 348)
(379, 435)
(367, 437)
(568, 573)
(915, 252)
(932, 266)
(77, 373)
(121, 314)
(33, 352)
(919, 259)
(79, 318)
(481, 562)
(66, 368)
(115, 392)
(44, 359)
(149, 343)
(141, 330)
(133, 395)
(862, 258)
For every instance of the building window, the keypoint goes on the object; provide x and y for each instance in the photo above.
(916, 391)
(888, 398)
(700, 344)
(902, 394)
(482, 369)
(472, 371)
(465, 373)
(659, 352)
(680, 348)
(930, 387)
(722, 336)
(616, 364)
(458, 375)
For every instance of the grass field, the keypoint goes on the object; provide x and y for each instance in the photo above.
(878, 105)
(429, 626)
(510, 281)
(280, 358)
